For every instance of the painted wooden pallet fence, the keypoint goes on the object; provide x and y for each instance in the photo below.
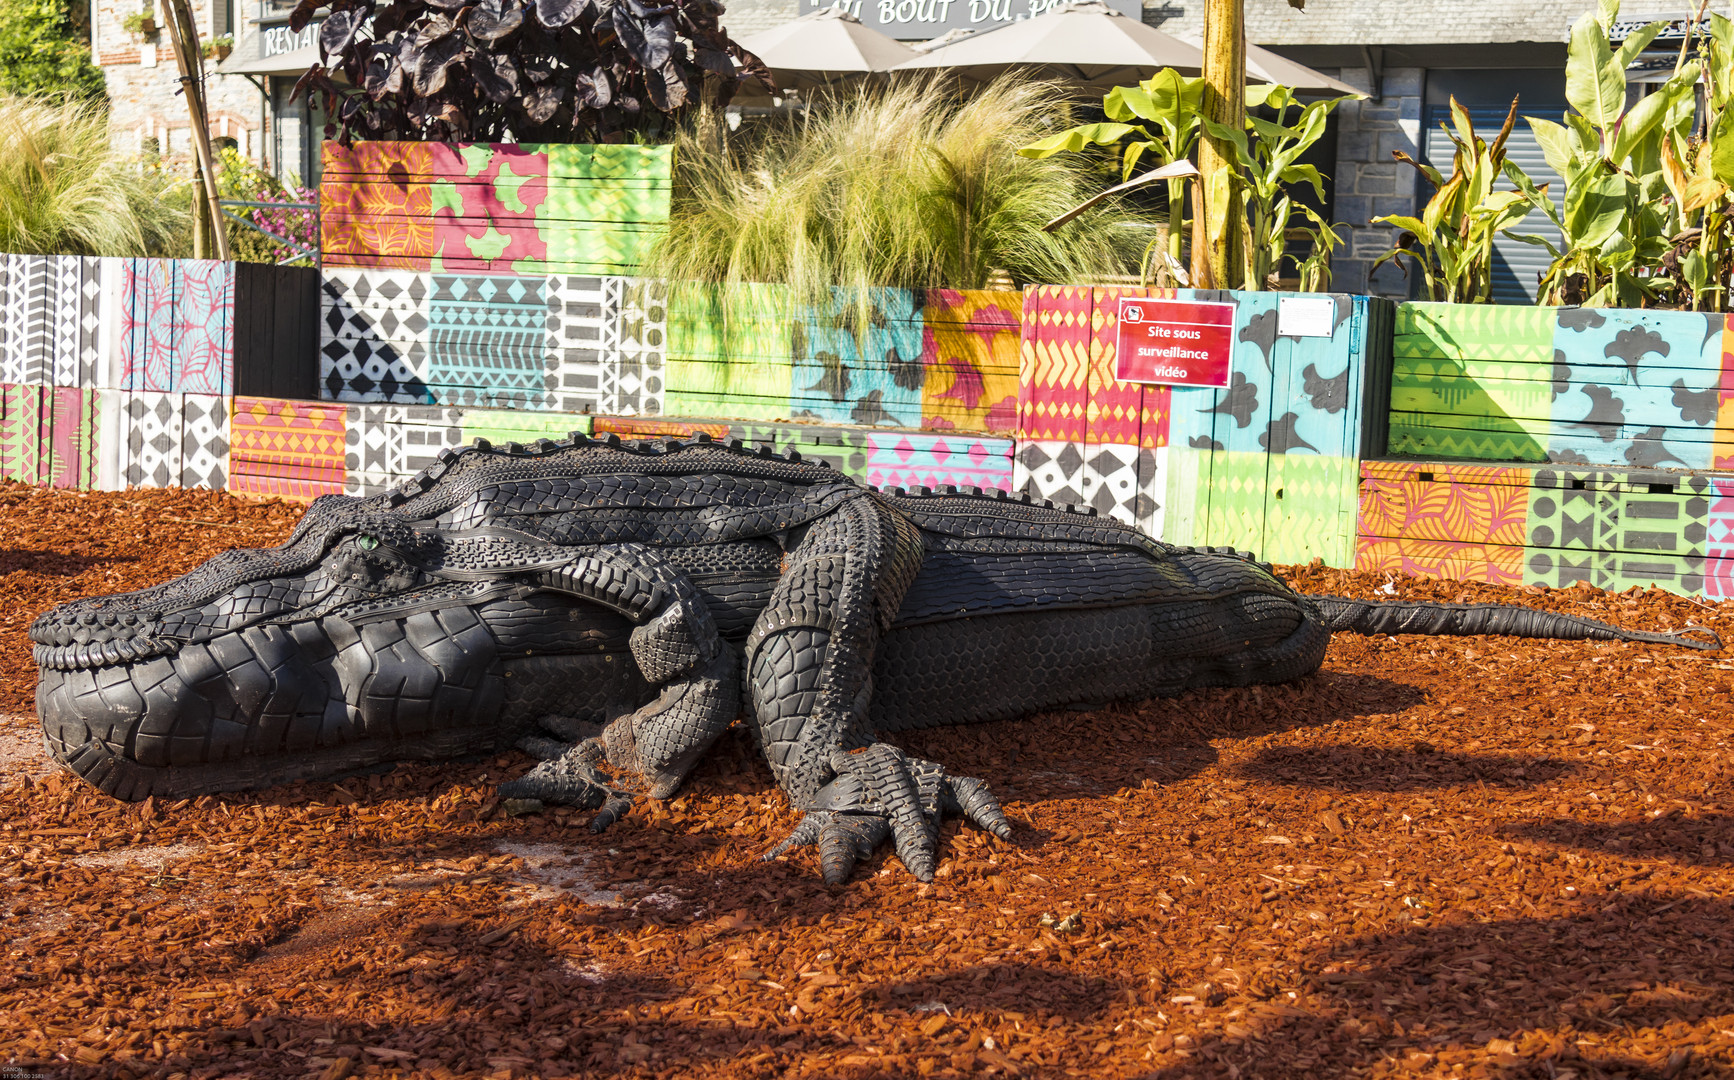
(493, 208)
(1549, 525)
(48, 435)
(1266, 464)
(969, 359)
(1571, 386)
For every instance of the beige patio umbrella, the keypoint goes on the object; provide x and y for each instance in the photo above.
(1085, 40)
(1264, 66)
(1090, 42)
(823, 46)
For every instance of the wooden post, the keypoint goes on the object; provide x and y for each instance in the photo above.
(184, 38)
(1216, 263)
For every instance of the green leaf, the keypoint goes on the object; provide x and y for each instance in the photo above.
(1595, 84)
(1304, 174)
(1722, 148)
(1556, 144)
(1627, 54)
(1078, 138)
(1408, 224)
(1649, 111)
(1594, 209)
(1235, 137)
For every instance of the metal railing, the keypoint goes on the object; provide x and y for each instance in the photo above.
(313, 253)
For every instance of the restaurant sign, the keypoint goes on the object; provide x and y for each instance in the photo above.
(919, 20)
(1176, 342)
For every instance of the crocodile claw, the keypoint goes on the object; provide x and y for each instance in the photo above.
(879, 794)
(572, 779)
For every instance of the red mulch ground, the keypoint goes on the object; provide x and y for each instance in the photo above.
(1439, 857)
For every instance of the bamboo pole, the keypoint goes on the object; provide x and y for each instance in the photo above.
(184, 38)
(1217, 262)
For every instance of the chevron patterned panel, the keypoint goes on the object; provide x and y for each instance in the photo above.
(487, 341)
(1054, 363)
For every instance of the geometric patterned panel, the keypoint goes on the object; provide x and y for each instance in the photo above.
(1472, 380)
(1049, 471)
(909, 460)
(583, 322)
(1719, 539)
(632, 378)
(487, 341)
(28, 310)
(288, 449)
(387, 444)
(1054, 363)
(26, 420)
(373, 336)
(71, 455)
(204, 441)
(150, 443)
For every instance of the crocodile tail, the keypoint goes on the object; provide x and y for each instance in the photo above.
(1366, 617)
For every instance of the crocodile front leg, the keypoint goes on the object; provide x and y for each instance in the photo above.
(810, 658)
(676, 647)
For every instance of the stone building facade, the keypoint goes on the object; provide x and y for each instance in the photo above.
(148, 115)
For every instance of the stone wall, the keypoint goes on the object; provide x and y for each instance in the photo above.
(1368, 182)
(143, 84)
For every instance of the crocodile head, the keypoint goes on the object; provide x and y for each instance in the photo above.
(369, 636)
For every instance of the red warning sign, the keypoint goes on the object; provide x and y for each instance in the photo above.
(1176, 342)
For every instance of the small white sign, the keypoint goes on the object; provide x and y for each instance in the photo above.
(1305, 316)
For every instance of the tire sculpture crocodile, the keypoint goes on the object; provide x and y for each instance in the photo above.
(614, 606)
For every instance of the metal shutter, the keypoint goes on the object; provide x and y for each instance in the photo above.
(1517, 266)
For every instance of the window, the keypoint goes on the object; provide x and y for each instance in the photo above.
(151, 149)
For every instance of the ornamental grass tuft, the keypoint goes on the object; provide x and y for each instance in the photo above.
(911, 186)
(65, 189)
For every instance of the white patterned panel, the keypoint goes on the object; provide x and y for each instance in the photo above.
(205, 441)
(64, 275)
(582, 317)
(112, 304)
(1053, 471)
(373, 336)
(87, 327)
(387, 444)
(111, 440)
(40, 301)
(632, 380)
(1110, 482)
(151, 427)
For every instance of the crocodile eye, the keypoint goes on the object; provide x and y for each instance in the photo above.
(366, 543)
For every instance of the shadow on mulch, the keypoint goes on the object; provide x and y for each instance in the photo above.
(1366, 768)
(1694, 841)
(55, 563)
(1628, 962)
(1060, 755)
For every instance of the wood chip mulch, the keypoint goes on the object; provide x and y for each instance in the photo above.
(1456, 857)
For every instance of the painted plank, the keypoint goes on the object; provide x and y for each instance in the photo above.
(969, 356)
